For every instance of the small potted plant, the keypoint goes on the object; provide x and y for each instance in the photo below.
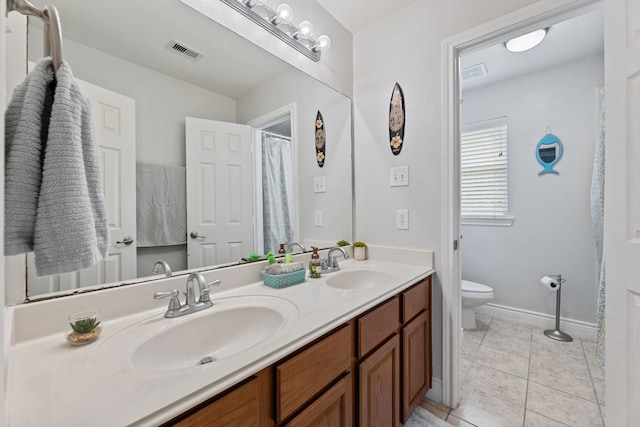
(359, 251)
(85, 327)
(342, 243)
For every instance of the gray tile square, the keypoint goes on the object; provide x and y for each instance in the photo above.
(481, 409)
(507, 362)
(563, 407)
(496, 383)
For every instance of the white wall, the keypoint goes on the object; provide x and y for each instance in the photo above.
(552, 231)
(407, 47)
(336, 202)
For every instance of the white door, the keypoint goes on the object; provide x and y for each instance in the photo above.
(219, 192)
(115, 133)
(622, 211)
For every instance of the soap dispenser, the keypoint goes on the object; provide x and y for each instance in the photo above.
(314, 264)
(282, 250)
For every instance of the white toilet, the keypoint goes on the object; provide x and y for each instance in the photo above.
(473, 295)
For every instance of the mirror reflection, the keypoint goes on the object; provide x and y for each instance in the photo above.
(207, 157)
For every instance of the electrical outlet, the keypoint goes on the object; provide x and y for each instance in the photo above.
(399, 176)
(320, 184)
(402, 219)
(318, 219)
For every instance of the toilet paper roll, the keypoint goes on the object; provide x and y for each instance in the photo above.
(549, 283)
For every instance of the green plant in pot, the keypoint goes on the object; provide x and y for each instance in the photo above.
(85, 327)
(359, 251)
(342, 243)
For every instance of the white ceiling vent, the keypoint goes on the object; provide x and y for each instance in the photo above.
(473, 71)
(182, 49)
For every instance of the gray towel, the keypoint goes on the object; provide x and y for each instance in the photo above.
(25, 138)
(70, 228)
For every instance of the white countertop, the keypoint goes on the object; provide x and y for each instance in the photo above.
(51, 383)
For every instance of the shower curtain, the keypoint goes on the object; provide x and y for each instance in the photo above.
(277, 191)
(597, 216)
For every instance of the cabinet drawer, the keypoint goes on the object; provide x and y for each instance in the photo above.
(302, 377)
(415, 299)
(333, 409)
(377, 325)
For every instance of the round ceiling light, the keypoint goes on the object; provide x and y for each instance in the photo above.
(526, 41)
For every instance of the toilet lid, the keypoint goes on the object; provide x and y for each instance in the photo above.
(468, 286)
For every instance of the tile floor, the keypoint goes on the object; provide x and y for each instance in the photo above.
(513, 375)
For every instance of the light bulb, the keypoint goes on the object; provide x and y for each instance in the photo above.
(284, 15)
(322, 44)
(304, 31)
(526, 41)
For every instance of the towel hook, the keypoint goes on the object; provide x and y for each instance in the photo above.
(53, 36)
(52, 28)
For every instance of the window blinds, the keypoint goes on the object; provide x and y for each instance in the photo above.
(483, 168)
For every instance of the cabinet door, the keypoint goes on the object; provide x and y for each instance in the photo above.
(333, 409)
(416, 363)
(246, 406)
(380, 386)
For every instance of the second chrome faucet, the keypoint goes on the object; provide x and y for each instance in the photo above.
(330, 263)
(191, 305)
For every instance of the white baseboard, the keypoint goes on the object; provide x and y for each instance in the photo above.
(435, 393)
(575, 328)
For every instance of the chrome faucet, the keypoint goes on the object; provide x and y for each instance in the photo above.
(291, 245)
(330, 263)
(191, 304)
(161, 266)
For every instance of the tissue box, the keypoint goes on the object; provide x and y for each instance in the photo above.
(284, 280)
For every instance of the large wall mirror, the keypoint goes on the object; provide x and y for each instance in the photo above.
(215, 157)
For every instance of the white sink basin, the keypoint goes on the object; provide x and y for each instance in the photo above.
(358, 279)
(231, 326)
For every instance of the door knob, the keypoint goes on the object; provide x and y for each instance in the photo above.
(126, 240)
(195, 235)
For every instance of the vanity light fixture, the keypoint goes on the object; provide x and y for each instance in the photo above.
(279, 23)
(526, 41)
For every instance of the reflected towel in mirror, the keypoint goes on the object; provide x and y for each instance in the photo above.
(161, 205)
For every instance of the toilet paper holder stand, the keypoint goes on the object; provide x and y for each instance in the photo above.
(556, 333)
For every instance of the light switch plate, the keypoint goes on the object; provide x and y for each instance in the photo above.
(320, 184)
(318, 219)
(402, 219)
(399, 176)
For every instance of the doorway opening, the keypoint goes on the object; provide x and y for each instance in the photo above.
(274, 152)
(494, 33)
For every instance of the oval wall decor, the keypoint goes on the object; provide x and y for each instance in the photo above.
(396, 119)
(321, 141)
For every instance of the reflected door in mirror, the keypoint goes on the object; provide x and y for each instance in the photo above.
(114, 127)
(219, 192)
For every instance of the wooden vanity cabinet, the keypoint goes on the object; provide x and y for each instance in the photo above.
(372, 371)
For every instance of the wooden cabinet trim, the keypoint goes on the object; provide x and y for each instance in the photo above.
(305, 375)
(377, 325)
